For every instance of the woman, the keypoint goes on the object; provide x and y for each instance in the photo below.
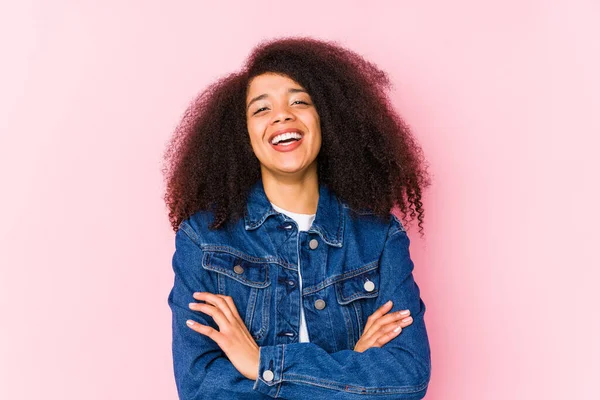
(292, 277)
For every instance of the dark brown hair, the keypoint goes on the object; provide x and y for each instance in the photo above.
(368, 156)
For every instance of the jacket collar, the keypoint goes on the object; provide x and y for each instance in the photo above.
(328, 222)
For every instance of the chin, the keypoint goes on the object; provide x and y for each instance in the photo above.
(289, 169)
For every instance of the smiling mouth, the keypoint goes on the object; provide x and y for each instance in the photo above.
(286, 138)
(286, 142)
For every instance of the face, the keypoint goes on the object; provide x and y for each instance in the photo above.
(275, 105)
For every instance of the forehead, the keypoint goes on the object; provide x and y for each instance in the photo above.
(270, 83)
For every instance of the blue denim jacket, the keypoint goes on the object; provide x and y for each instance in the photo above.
(352, 263)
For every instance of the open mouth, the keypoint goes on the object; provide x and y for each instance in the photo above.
(285, 139)
(287, 142)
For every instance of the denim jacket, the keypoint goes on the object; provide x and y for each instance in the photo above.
(352, 263)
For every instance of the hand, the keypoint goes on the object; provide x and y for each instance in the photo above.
(233, 336)
(380, 329)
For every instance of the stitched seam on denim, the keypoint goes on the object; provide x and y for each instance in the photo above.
(338, 240)
(256, 224)
(250, 308)
(331, 324)
(247, 257)
(227, 272)
(220, 284)
(358, 315)
(265, 317)
(189, 231)
(349, 328)
(281, 370)
(358, 295)
(323, 235)
(340, 232)
(397, 232)
(242, 280)
(252, 304)
(309, 380)
(205, 259)
(365, 212)
(400, 228)
(337, 278)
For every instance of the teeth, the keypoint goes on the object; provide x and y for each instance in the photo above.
(285, 136)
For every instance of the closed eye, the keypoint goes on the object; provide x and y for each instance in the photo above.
(265, 108)
(259, 110)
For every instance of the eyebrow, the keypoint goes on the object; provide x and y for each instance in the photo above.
(264, 96)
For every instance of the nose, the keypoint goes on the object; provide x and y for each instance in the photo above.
(282, 114)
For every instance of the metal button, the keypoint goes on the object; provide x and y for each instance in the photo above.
(291, 283)
(369, 286)
(313, 244)
(238, 269)
(268, 375)
(320, 304)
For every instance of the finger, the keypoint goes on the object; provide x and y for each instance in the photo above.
(380, 337)
(218, 302)
(392, 326)
(215, 312)
(232, 306)
(386, 333)
(406, 321)
(386, 319)
(388, 336)
(204, 330)
(240, 322)
(378, 313)
(394, 317)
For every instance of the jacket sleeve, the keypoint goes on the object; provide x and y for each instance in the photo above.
(202, 371)
(398, 370)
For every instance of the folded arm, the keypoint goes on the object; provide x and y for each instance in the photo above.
(202, 371)
(398, 370)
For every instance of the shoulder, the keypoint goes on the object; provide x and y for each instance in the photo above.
(395, 225)
(196, 225)
(371, 224)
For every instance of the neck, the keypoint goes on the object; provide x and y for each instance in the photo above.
(299, 194)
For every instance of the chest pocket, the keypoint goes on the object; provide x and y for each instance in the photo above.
(356, 295)
(247, 283)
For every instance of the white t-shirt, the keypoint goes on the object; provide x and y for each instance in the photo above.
(304, 222)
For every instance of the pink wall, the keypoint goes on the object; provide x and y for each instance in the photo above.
(503, 95)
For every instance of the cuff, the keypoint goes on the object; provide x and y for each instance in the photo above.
(270, 370)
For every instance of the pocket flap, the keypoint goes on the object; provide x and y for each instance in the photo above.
(362, 285)
(254, 274)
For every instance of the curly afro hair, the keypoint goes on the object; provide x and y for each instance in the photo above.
(368, 156)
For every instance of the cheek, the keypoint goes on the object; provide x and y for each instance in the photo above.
(253, 131)
(311, 121)
(316, 127)
(256, 135)
(316, 121)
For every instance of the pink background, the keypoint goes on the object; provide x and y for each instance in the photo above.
(503, 96)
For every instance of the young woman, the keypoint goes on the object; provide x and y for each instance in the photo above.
(293, 278)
